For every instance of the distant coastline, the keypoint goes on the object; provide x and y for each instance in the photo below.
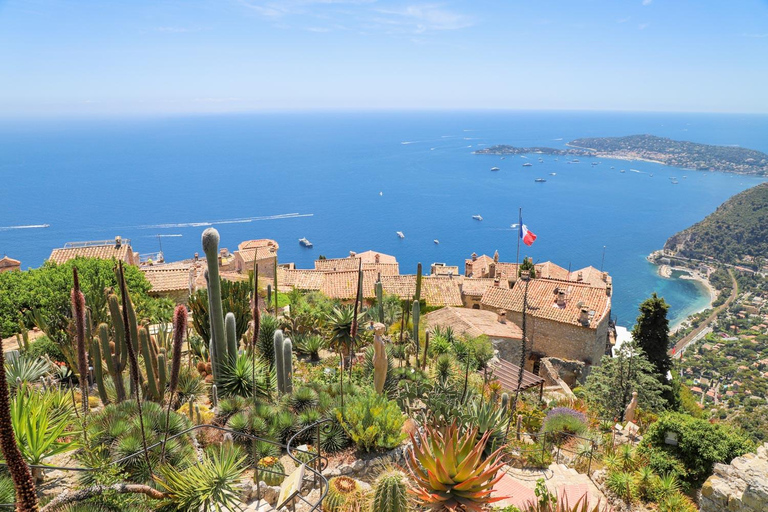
(650, 148)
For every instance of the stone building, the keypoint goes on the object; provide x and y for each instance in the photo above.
(263, 252)
(176, 281)
(505, 335)
(118, 249)
(8, 264)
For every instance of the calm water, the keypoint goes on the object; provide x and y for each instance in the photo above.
(142, 177)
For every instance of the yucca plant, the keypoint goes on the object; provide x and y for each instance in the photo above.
(666, 485)
(24, 369)
(645, 479)
(677, 502)
(333, 438)
(302, 399)
(237, 378)
(450, 472)
(622, 484)
(209, 485)
(310, 345)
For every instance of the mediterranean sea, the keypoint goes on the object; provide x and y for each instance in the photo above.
(350, 181)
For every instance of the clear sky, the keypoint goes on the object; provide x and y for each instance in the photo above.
(176, 56)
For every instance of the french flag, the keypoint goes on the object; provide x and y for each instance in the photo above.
(526, 235)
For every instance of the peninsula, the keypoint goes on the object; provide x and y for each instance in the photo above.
(688, 155)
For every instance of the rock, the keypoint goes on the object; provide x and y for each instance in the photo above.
(741, 486)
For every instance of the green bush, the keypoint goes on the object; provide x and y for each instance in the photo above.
(700, 445)
(372, 421)
(44, 346)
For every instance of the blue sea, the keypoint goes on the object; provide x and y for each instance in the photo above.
(349, 181)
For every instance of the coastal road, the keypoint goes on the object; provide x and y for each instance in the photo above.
(698, 332)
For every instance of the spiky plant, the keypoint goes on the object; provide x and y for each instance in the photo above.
(310, 345)
(341, 489)
(333, 438)
(487, 417)
(666, 485)
(303, 398)
(677, 502)
(261, 448)
(190, 386)
(271, 470)
(390, 492)
(231, 405)
(268, 324)
(622, 484)
(20, 368)
(179, 329)
(450, 472)
(78, 313)
(237, 378)
(26, 497)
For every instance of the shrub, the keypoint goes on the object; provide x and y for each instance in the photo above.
(564, 423)
(44, 346)
(700, 445)
(372, 421)
(622, 484)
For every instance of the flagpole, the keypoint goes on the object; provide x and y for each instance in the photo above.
(519, 232)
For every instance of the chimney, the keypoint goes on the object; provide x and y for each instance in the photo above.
(474, 256)
(560, 300)
(609, 287)
(118, 242)
(501, 316)
(584, 317)
(377, 258)
(579, 277)
(492, 269)
(352, 254)
(605, 277)
(197, 257)
(496, 257)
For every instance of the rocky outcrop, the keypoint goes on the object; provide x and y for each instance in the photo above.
(741, 486)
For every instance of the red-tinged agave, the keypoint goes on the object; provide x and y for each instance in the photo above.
(450, 472)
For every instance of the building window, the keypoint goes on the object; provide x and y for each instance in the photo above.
(476, 306)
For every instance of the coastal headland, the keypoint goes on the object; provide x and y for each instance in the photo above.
(650, 148)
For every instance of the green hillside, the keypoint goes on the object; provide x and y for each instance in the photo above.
(738, 228)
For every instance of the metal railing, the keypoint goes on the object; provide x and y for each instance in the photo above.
(315, 461)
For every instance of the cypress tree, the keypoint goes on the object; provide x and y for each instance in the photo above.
(651, 332)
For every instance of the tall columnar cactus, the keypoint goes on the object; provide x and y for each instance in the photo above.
(269, 297)
(390, 492)
(278, 340)
(78, 313)
(418, 282)
(505, 402)
(150, 363)
(26, 497)
(287, 366)
(98, 371)
(415, 319)
(179, 330)
(230, 329)
(214, 396)
(210, 241)
(380, 299)
(380, 362)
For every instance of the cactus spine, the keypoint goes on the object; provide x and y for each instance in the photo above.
(380, 362)
(98, 371)
(341, 490)
(287, 365)
(277, 342)
(416, 311)
(390, 493)
(210, 241)
(271, 471)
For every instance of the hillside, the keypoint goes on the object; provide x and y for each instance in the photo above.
(737, 229)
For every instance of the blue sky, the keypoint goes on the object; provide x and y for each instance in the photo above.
(142, 57)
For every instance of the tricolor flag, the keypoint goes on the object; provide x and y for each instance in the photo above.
(526, 235)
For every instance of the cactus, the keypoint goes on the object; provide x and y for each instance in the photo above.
(278, 342)
(26, 497)
(230, 328)
(78, 312)
(287, 366)
(415, 319)
(390, 492)
(505, 402)
(380, 362)
(275, 473)
(380, 299)
(98, 371)
(210, 241)
(162, 374)
(341, 490)
(269, 297)
(191, 409)
(198, 419)
(214, 396)
(149, 363)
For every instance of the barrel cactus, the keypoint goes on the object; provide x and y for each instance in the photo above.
(271, 471)
(390, 492)
(341, 490)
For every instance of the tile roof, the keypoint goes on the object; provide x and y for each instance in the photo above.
(169, 278)
(105, 252)
(445, 270)
(476, 287)
(250, 254)
(337, 264)
(308, 280)
(547, 270)
(403, 287)
(542, 296)
(6, 262)
(253, 244)
(343, 285)
(440, 291)
(387, 265)
(479, 267)
(508, 375)
(473, 322)
(371, 257)
(591, 276)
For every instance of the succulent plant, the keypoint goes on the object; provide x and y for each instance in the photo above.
(219, 348)
(390, 492)
(303, 398)
(341, 490)
(78, 312)
(449, 470)
(271, 471)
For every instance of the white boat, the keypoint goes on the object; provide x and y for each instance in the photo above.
(305, 242)
(495, 169)
(651, 175)
(612, 167)
(381, 193)
(539, 180)
(527, 164)
(477, 217)
(622, 170)
(400, 234)
(553, 174)
(437, 242)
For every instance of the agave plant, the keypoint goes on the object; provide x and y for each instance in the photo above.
(21, 368)
(581, 505)
(450, 472)
(487, 418)
(237, 378)
(310, 345)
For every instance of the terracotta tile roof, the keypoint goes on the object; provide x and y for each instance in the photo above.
(343, 285)
(253, 244)
(440, 291)
(337, 264)
(375, 257)
(542, 296)
(476, 287)
(107, 251)
(479, 267)
(248, 255)
(547, 270)
(445, 270)
(170, 278)
(473, 322)
(8, 263)
(591, 276)
(230, 275)
(386, 269)
(309, 280)
(403, 287)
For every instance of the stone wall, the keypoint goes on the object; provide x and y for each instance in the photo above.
(741, 486)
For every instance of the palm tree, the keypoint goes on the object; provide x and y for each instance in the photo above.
(340, 324)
